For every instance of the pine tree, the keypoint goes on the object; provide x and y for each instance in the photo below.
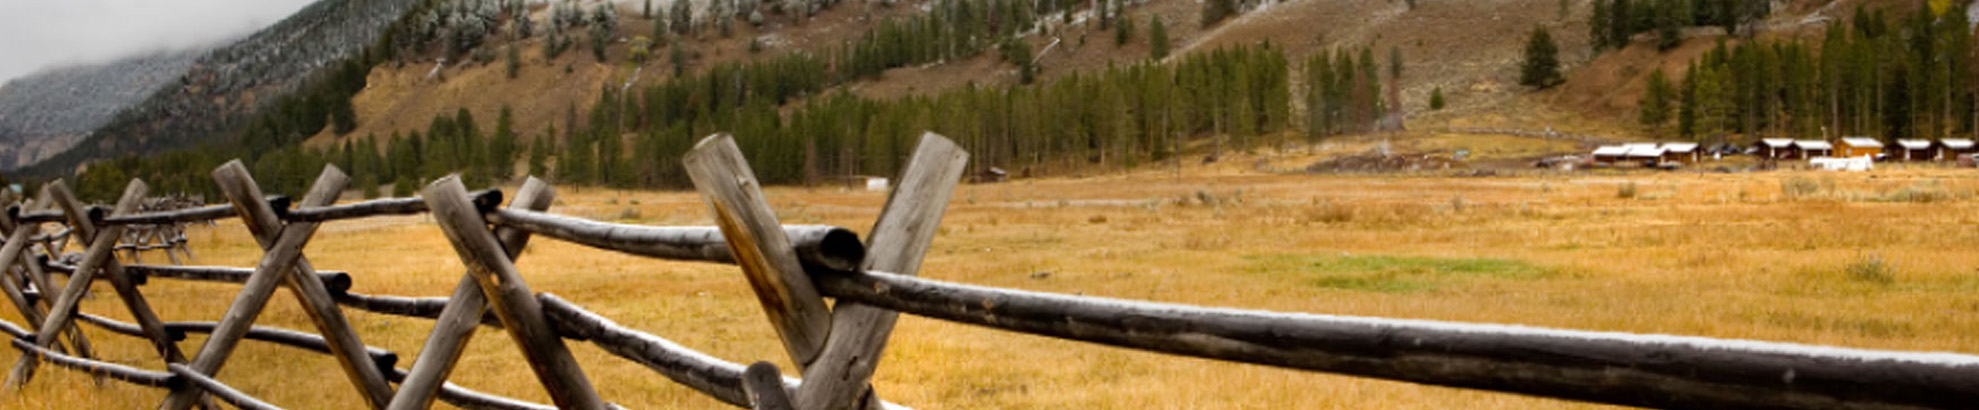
(1157, 39)
(1541, 68)
(1597, 25)
(514, 61)
(683, 17)
(502, 147)
(1215, 11)
(1655, 110)
(539, 153)
(1687, 103)
(1123, 32)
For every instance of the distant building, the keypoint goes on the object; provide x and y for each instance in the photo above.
(1914, 150)
(1950, 148)
(1813, 149)
(1776, 148)
(1681, 152)
(1611, 154)
(1851, 147)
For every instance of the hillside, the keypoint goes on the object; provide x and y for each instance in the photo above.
(47, 112)
(232, 82)
(1469, 49)
(839, 89)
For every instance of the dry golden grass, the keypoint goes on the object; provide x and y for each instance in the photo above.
(1730, 256)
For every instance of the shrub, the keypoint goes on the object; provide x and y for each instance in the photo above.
(1799, 187)
(1870, 269)
(1626, 190)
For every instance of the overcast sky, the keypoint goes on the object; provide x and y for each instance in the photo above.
(41, 33)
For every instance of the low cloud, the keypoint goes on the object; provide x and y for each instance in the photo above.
(37, 34)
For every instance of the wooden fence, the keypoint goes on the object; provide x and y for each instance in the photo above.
(791, 269)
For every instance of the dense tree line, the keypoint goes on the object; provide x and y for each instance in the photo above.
(1343, 93)
(461, 29)
(1614, 22)
(1117, 117)
(1909, 78)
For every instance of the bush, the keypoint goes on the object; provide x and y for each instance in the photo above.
(641, 47)
(514, 61)
(1124, 32)
(1799, 187)
(1870, 269)
(1626, 191)
(1436, 99)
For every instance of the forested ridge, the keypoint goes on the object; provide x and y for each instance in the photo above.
(1879, 76)
(784, 109)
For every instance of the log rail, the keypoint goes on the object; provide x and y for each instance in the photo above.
(794, 268)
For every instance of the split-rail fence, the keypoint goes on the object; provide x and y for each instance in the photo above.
(792, 269)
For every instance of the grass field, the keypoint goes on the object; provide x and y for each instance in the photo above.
(1872, 260)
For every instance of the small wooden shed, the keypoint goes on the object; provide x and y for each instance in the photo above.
(1776, 148)
(1950, 148)
(1645, 153)
(1914, 150)
(1680, 152)
(1851, 147)
(1610, 154)
(1813, 148)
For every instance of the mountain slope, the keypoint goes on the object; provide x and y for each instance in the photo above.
(231, 83)
(47, 112)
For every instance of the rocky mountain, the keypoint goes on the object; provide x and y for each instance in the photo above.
(47, 112)
(230, 83)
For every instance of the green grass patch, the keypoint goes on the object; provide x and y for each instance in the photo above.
(1393, 274)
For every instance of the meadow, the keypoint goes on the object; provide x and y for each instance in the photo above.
(1870, 260)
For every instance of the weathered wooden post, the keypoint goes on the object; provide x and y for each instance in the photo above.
(11, 252)
(899, 240)
(521, 314)
(765, 387)
(760, 246)
(463, 313)
(39, 277)
(283, 263)
(100, 255)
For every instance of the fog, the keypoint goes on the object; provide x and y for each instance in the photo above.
(37, 34)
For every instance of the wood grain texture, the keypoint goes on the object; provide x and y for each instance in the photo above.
(521, 314)
(468, 307)
(99, 256)
(765, 386)
(279, 264)
(1665, 372)
(761, 248)
(207, 385)
(816, 245)
(841, 377)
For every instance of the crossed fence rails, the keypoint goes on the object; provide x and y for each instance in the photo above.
(791, 268)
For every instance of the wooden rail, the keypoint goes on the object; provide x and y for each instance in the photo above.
(793, 269)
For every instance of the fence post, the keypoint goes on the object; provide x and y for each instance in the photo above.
(282, 263)
(39, 277)
(101, 255)
(463, 313)
(841, 377)
(521, 314)
(11, 253)
(764, 384)
(760, 246)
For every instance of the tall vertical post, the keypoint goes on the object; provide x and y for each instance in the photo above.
(457, 322)
(761, 247)
(841, 377)
(521, 314)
